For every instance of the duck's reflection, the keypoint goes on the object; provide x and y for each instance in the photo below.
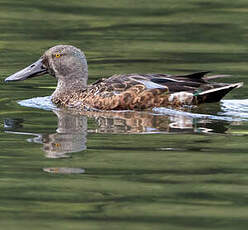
(71, 133)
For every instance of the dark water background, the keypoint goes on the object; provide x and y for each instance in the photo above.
(61, 170)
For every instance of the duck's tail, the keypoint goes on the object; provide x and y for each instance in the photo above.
(216, 94)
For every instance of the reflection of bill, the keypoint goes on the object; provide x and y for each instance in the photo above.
(71, 134)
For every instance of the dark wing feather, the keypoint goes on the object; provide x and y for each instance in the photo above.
(190, 82)
(197, 75)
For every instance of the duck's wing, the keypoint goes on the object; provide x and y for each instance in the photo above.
(175, 83)
(192, 83)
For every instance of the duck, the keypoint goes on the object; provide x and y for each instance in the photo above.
(68, 65)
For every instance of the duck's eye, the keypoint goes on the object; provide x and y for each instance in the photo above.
(57, 55)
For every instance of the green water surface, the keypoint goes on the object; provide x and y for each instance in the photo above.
(122, 171)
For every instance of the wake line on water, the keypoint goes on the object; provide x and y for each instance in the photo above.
(172, 112)
(231, 110)
(44, 103)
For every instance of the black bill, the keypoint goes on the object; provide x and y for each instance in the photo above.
(35, 69)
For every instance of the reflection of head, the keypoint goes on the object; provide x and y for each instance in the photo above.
(70, 137)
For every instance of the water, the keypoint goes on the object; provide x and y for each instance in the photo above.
(127, 170)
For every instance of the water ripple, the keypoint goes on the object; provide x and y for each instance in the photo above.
(231, 110)
(235, 108)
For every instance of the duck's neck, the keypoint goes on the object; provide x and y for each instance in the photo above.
(70, 85)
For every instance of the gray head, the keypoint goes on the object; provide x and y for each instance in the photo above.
(67, 63)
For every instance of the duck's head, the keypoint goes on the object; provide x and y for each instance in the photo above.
(66, 63)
